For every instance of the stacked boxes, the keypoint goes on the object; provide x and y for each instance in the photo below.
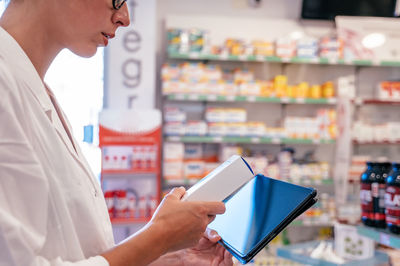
(365, 132)
(233, 122)
(197, 41)
(198, 78)
(388, 90)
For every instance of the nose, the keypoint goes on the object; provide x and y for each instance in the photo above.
(121, 16)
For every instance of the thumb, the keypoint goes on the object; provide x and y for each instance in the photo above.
(212, 235)
(178, 192)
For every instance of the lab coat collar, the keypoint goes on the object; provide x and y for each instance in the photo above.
(17, 59)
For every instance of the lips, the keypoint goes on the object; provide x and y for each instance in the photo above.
(108, 35)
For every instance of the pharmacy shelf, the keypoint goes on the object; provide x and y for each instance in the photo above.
(275, 59)
(382, 236)
(311, 223)
(249, 140)
(236, 98)
(180, 182)
(122, 174)
(190, 182)
(128, 221)
(375, 142)
(360, 101)
(300, 253)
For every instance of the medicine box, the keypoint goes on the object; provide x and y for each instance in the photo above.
(222, 182)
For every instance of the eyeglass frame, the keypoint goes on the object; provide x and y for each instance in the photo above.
(119, 6)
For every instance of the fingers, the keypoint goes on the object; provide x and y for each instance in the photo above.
(177, 192)
(211, 218)
(212, 235)
(214, 207)
(228, 258)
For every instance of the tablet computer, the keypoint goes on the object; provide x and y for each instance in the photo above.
(258, 212)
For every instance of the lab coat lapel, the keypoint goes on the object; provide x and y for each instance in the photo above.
(13, 54)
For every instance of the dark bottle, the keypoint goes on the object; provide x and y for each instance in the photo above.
(392, 199)
(367, 211)
(378, 190)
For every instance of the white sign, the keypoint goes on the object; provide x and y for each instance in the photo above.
(370, 38)
(129, 67)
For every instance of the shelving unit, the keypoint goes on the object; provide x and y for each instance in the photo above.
(300, 253)
(179, 182)
(245, 140)
(360, 101)
(377, 143)
(381, 236)
(235, 98)
(310, 223)
(275, 59)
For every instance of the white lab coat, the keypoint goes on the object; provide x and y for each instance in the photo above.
(52, 210)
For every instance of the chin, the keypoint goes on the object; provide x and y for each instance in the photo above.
(86, 52)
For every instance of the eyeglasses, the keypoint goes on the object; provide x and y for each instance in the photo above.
(117, 4)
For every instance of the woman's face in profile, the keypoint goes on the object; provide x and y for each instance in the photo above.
(84, 25)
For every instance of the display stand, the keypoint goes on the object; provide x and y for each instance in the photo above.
(381, 236)
(300, 253)
(130, 177)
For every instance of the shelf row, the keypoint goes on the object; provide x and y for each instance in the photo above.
(263, 140)
(275, 59)
(259, 99)
(128, 221)
(381, 236)
(190, 182)
(239, 98)
(255, 140)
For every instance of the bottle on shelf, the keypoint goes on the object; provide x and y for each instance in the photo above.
(392, 199)
(367, 214)
(378, 186)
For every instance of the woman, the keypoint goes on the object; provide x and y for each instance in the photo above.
(52, 211)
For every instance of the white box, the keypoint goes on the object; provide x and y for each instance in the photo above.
(350, 245)
(222, 182)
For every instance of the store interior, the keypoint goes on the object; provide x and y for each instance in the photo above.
(306, 91)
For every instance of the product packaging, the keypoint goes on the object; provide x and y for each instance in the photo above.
(221, 182)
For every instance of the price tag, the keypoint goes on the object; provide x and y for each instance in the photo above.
(194, 55)
(243, 57)
(285, 100)
(180, 97)
(217, 139)
(307, 222)
(314, 60)
(251, 98)
(358, 101)
(333, 61)
(384, 239)
(224, 56)
(276, 141)
(376, 62)
(332, 101)
(316, 141)
(285, 59)
(212, 97)
(255, 140)
(260, 58)
(193, 97)
(174, 138)
(230, 98)
(300, 100)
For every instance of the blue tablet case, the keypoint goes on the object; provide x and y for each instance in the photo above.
(258, 212)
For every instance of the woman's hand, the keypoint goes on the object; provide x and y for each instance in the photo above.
(207, 252)
(183, 223)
